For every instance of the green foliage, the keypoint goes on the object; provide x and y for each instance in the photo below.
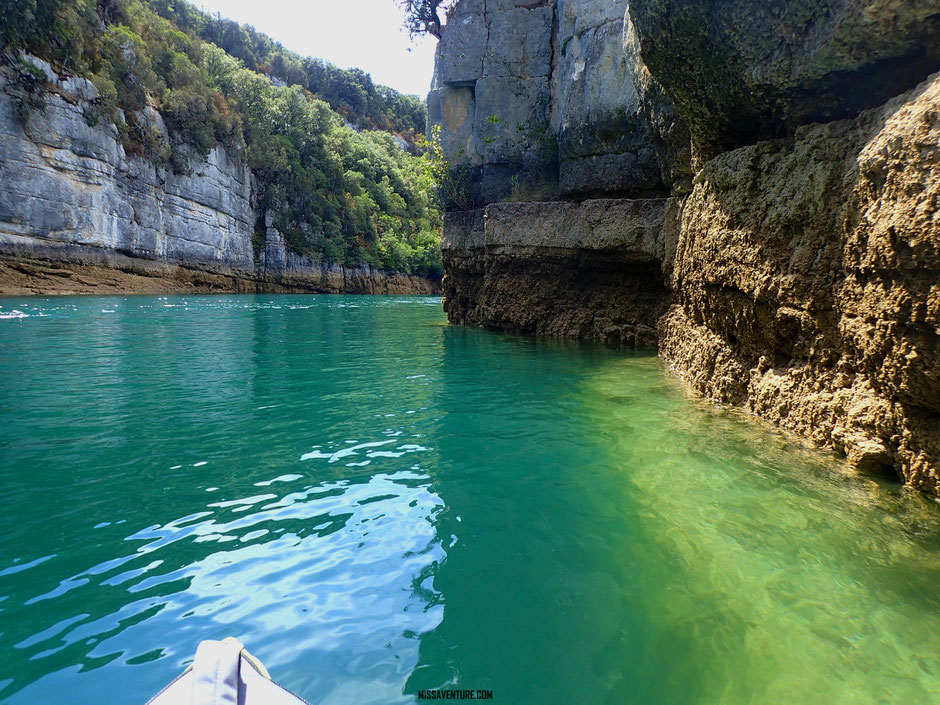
(453, 178)
(423, 16)
(336, 194)
(28, 88)
(351, 92)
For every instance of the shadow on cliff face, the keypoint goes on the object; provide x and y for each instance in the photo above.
(589, 270)
(740, 72)
(810, 266)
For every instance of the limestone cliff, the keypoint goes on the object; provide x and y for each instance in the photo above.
(752, 189)
(538, 98)
(73, 198)
(740, 71)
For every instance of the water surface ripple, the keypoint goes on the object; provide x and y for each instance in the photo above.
(378, 503)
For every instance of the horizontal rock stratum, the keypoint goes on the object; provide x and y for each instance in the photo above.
(754, 190)
(582, 270)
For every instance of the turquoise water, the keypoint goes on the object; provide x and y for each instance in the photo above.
(377, 503)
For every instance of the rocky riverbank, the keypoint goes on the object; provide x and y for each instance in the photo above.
(792, 155)
(119, 274)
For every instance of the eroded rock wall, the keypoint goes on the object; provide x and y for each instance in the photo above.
(807, 285)
(797, 263)
(740, 71)
(540, 112)
(538, 100)
(70, 193)
(605, 140)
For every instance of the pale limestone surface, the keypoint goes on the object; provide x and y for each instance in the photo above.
(70, 193)
(540, 96)
(604, 139)
(64, 183)
(626, 228)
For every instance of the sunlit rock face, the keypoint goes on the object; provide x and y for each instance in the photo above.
(806, 284)
(65, 184)
(70, 193)
(791, 152)
(539, 99)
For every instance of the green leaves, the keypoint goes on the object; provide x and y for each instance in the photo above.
(452, 178)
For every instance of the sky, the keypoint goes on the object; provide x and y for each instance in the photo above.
(365, 34)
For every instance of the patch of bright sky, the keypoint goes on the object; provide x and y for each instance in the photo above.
(365, 34)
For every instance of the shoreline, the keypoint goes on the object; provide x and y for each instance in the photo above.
(116, 274)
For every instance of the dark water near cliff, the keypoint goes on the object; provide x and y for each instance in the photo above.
(375, 503)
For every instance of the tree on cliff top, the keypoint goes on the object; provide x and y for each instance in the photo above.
(422, 16)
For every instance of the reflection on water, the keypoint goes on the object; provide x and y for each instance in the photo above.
(376, 504)
(166, 465)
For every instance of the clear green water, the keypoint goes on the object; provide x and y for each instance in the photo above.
(378, 503)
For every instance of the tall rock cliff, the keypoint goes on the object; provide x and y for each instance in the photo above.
(538, 101)
(71, 195)
(752, 189)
